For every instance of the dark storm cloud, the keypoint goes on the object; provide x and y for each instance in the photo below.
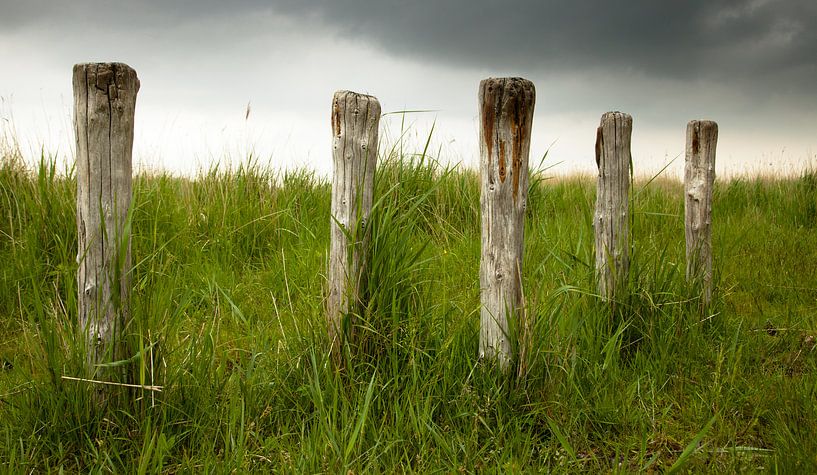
(660, 38)
(749, 39)
(762, 51)
(750, 64)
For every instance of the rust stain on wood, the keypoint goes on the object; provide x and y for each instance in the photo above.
(517, 165)
(488, 113)
(502, 172)
(336, 117)
(516, 154)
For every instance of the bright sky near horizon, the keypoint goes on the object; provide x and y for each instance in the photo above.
(750, 65)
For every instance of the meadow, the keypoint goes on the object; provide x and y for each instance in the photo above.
(228, 318)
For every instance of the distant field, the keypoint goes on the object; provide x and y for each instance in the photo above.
(228, 318)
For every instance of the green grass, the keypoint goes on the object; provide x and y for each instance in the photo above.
(228, 318)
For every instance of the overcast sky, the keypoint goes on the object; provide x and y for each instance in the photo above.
(749, 65)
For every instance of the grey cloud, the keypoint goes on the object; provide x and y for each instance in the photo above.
(759, 48)
(661, 38)
(125, 15)
(750, 39)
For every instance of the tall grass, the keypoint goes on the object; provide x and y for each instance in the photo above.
(228, 318)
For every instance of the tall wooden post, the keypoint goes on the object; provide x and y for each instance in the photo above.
(611, 221)
(699, 180)
(355, 120)
(104, 106)
(506, 116)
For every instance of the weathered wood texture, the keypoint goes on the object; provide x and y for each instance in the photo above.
(699, 180)
(612, 216)
(506, 116)
(355, 120)
(104, 106)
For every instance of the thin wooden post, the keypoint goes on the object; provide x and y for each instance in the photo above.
(355, 120)
(506, 116)
(699, 180)
(104, 106)
(612, 216)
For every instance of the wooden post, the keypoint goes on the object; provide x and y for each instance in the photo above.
(612, 216)
(506, 115)
(699, 180)
(355, 120)
(104, 106)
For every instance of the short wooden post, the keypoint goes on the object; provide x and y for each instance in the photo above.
(355, 120)
(506, 116)
(611, 221)
(104, 106)
(699, 180)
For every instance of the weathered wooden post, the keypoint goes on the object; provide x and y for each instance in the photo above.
(506, 116)
(611, 221)
(355, 120)
(104, 106)
(699, 180)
